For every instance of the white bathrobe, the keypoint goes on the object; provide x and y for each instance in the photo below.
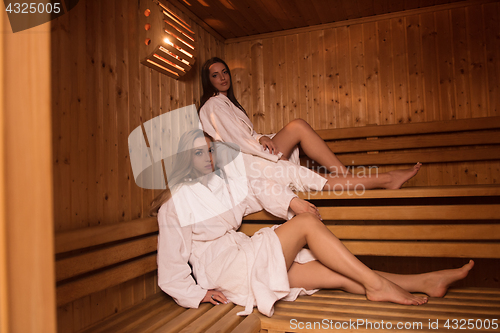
(199, 227)
(225, 122)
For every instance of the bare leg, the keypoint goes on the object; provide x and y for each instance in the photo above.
(299, 131)
(314, 275)
(389, 180)
(307, 229)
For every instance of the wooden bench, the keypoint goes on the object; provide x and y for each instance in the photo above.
(463, 140)
(97, 258)
(439, 221)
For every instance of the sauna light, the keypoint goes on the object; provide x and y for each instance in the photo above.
(170, 43)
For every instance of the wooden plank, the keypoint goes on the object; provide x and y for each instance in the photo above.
(154, 323)
(425, 249)
(87, 237)
(94, 260)
(27, 229)
(386, 60)
(251, 324)
(184, 319)
(345, 78)
(208, 319)
(491, 14)
(358, 88)
(134, 315)
(477, 73)
(292, 68)
(461, 64)
(228, 322)
(444, 40)
(408, 129)
(403, 232)
(420, 141)
(393, 213)
(331, 80)
(415, 69)
(401, 74)
(305, 77)
(74, 290)
(409, 192)
(471, 154)
(363, 307)
(431, 110)
(372, 73)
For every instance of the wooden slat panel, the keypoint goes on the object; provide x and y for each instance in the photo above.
(408, 129)
(393, 213)
(420, 141)
(88, 262)
(97, 282)
(408, 192)
(228, 322)
(403, 232)
(148, 307)
(209, 318)
(251, 324)
(183, 320)
(424, 249)
(82, 238)
(471, 154)
(361, 307)
(156, 322)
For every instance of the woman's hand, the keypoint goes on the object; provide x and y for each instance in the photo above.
(266, 142)
(215, 297)
(300, 206)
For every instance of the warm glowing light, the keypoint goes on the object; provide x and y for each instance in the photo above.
(166, 40)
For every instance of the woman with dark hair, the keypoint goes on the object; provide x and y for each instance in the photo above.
(224, 119)
(198, 220)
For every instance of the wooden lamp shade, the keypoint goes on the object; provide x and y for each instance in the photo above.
(167, 42)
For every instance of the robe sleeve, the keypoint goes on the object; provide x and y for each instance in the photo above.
(273, 197)
(221, 125)
(174, 249)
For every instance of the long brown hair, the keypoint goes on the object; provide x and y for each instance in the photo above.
(182, 170)
(209, 90)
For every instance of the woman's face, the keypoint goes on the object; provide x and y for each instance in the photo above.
(219, 77)
(202, 156)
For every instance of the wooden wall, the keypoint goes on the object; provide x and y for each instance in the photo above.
(438, 63)
(100, 94)
(27, 293)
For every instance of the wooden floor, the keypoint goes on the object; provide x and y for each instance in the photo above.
(473, 309)
(337, 310)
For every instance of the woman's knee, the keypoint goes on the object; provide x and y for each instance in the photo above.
(306, 221)
(298, 124)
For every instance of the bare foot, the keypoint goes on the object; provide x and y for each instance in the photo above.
(436, 284)
(386, 291)
(399, 177)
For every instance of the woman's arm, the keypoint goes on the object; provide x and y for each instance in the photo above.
(220, 123)
(174, 249)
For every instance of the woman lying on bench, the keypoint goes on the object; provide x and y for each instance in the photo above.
(225, 120)
(198, 220)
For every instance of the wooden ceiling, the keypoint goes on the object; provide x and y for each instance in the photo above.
(240, 18)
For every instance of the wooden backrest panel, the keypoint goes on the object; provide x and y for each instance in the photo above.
(476, 139)
(459, 125)
(97, 258)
